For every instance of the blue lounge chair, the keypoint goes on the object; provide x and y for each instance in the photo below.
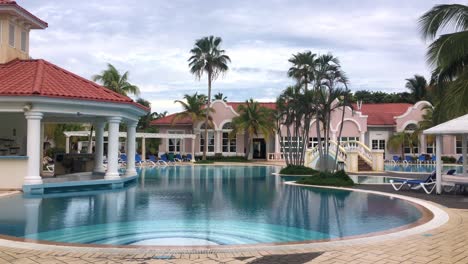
(138, 160)
(178, 158)
(188, 157)
(428, 185)
(123, 159)
(434, 159)
(165, 160)
(396, 159)
(152, 160)
(408, 159)
(460, 160)
(422, 158)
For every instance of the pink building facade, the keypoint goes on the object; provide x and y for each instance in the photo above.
(370, 124)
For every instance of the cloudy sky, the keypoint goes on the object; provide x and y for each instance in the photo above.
(377, 41)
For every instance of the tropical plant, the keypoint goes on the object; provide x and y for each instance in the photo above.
(55, 132)
(401, 139)
(447, 27)
(418, 87)
(193, 108)
(253, 120)
(303, 68)
(113, 80)
(220, 96)
(208, 58)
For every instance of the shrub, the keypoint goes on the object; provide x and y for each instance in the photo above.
(224, 159)
(447, 159)
(52, 151)
(339, 178)
(297, 170)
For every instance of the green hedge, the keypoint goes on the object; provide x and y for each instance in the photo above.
(447, 159)
(204, 162)
(339, 178)
(297, 170)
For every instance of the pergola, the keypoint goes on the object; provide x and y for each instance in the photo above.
(143, 137)
(455, 127)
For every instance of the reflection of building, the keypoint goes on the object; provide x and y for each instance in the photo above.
(370, 124)
(35, 92)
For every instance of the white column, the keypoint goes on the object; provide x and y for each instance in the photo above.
(363, 138)
(333, 135)
(193, 149)
(143, 148)
(67, 144)
(465, 161)
(33, 148)
(218, 148)
(131, 149)
(113, 149)
(277, 143)
(439, 164)
(99, 148)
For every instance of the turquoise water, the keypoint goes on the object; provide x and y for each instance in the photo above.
(420, 168)
(202, 205)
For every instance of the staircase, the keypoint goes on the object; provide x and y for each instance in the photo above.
(363, 165)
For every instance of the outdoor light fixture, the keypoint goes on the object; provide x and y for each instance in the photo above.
(27, 107)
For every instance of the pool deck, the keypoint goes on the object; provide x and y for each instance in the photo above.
(447, 243)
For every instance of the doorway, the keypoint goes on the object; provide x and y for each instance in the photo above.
(259, 148)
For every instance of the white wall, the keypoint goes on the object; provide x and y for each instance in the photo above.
(12, 173)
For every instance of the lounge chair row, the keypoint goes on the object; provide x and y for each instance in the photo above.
(153, 161)
(428, 185)
(421, 159)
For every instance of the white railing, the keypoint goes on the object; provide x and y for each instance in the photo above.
(364, 151)
(313, 153)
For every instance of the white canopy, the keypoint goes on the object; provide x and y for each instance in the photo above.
(457, 126)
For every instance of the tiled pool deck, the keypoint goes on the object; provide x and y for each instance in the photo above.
(447, 243)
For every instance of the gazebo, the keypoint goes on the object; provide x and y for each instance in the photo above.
(455, 127)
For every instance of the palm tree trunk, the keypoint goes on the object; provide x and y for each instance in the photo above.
(338, 141)
(207, 116)
(248, 145)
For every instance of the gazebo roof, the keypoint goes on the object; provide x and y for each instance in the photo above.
(455, 126)
(44, 79)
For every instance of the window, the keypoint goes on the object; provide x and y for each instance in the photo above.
(210, 141)
(378, 144)
(313, 142)
(229, 144)
(411, 127)
(11, 35)
(347, 139)
(407, 149)
(174, 144)
(458, 144)
(23, 40)
(430, 148)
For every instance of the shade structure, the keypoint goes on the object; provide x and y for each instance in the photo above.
(456, 127)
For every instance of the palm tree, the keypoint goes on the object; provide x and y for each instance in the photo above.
(113, 80)
(303, 69)
(220, 96)
(194, 108)
(448, 56)
(402, 139)
(253, 119)
(207, 57)
(418, 87)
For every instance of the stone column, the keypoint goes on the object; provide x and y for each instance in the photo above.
(99, 148)
(143, 148)
(193, 149)
(67, 144)
(352, 161)
(131, 148)
(377, 160)
(112, 172)
(33, 148)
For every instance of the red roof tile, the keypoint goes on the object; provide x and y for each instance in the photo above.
(21, 9)
(383, 114)
(167, 120)
(42, 78)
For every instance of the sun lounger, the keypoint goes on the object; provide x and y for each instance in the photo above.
(188, 157)
(138, 160)
(151, 160)
(428, 185)
(178, 158)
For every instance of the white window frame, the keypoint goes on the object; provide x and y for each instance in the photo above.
(10, 25)
(182, 143)
(24, 41)
(458, 149)
(211, 136)
(380, 144)
(228, 143)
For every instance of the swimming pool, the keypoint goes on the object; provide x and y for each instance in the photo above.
(419, 168)
(203, 205)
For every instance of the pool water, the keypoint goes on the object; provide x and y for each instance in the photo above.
(202, 205)
(419, 168)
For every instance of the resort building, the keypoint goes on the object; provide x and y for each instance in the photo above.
(34, 92)
(369, 124)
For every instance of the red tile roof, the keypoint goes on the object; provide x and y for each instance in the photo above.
(42, 23)
(188, 121)
(383, 114)
(42, 78)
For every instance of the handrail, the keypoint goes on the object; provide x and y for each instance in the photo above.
(313, 153)
(364, 151)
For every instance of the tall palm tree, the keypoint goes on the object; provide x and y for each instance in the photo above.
(402, 139)
(112, 79)
(193, 108)
(207, 57)
(418, 87)
(303, 69)
(253, 119)
(220, 96)
(448, 56)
